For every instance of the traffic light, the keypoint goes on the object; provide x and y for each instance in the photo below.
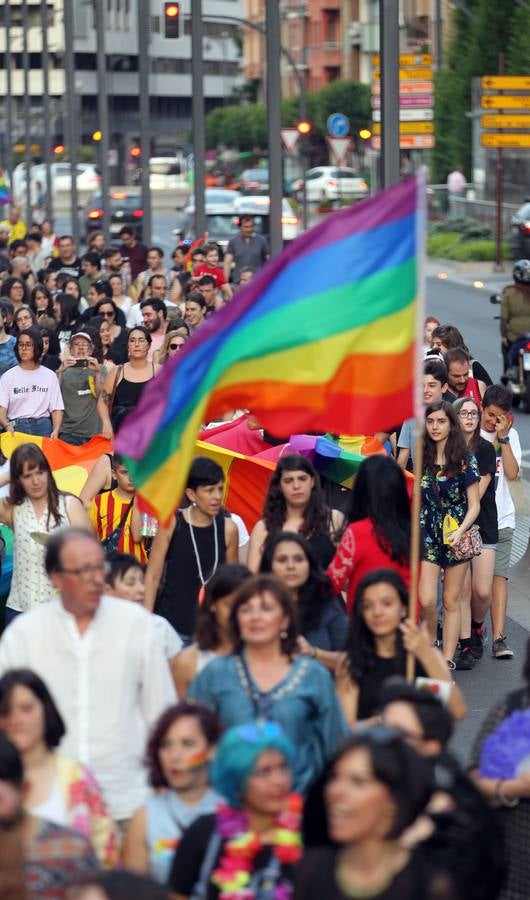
(96, 136)
(171, 20)
(135, 152)
(365, 134)
(304, 127)
(58, 149)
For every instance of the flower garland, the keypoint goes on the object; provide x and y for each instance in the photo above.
(234, 872)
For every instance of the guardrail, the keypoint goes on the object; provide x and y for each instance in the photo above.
(441, 206)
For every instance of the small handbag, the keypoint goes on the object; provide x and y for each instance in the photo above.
(469, 545)
(110, 544)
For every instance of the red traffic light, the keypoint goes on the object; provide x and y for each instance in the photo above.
(135, 152)
(171, 20)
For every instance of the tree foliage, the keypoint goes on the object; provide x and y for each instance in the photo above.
(481, 29)
(245, 126)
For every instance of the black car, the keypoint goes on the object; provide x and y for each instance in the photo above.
(125, 209)
(520, 232)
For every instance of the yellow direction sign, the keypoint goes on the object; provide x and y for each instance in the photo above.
(409, 128)
(505, 101)
(409, 59)
(509, 141)
(410, 142)
(505, 83)
(505, 121)
(408, 74)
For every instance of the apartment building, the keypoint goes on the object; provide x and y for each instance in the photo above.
(169, 80)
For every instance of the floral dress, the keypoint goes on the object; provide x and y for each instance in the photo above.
(444, 494)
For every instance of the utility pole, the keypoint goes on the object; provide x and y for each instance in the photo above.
(274, 123)
(199, 138)
(71, 130)
(9, 96)
(144, 36)
(27, 112)
(46, 108)
(438, 33)
(389, 54)
(103, 112)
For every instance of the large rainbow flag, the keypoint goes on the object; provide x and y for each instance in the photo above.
(322, 339)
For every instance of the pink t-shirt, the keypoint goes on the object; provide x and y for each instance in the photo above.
(156, 342)
(30, 393)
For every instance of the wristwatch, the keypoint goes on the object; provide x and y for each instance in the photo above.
(505, 440)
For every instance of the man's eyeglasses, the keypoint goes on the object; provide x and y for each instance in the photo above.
(86, 572)
(471, 414)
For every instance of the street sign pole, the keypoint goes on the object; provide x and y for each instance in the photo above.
(69, 74)
(103, 114)
(144, 34)
(274, 123)
(46, 109)
(199, 137)
(498, 194)
(389, 44)
(26, 107)
(8, 98)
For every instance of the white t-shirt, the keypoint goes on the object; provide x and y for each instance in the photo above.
(30, 393)
(503, 497)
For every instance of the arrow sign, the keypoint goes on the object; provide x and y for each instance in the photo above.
(408, 59)
(408, 74)
(339, 147)
(505, 120)
(407, 101)
(407, 87)
(505, 83)
(508, 141)
(505, 101)
(409, 142)
(412, 115)
(410, 128)
(289, 138)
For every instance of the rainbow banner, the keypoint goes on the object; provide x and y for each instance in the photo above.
(5, 196)
(70, 465)
(321, 339)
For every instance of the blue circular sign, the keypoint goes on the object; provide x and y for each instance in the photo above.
(338, 125)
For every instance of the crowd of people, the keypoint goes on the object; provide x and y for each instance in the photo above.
(214, 708)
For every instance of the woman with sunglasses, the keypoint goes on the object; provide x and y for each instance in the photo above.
(173, 343)
(378, 640)
(475, 599)
(374, 790)
(108, 310)
(123, 386)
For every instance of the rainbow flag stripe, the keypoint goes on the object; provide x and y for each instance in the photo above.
(322, 339)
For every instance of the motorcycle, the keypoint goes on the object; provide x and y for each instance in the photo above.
(516, 365)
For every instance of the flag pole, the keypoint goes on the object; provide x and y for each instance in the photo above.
(415, 537)
(418, 413)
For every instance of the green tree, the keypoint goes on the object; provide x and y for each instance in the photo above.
(518, 55)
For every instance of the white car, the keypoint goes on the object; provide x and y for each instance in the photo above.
(88, 179)
(333, 183)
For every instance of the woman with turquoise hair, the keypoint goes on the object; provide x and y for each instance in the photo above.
(252, 844)
(265, 679)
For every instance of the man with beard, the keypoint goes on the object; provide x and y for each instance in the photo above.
(154, 315)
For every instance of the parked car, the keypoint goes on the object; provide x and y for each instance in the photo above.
(165, 173)
(332, 183)
(125, 209)
(255, 181)
(88, 178)
(222, 223)
(259, 207)
(520, 232)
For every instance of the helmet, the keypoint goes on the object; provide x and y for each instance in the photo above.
(521, 271)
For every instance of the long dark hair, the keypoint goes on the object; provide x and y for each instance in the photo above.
(317, 589)
(380, 494)
(41, 289)
(69, 309)
(54, 728)
(317, 515)
(456, 452)
(227, 579)
(8, 284)
(475, 437)
(360, 643)
(34, 457)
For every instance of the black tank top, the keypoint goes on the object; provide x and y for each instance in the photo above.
(323, 547)
(178, 596)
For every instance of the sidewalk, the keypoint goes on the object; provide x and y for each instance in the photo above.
(467, 273)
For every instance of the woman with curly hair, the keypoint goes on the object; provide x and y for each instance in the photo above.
(179, 752)
(212, 634)
(378, 534)
(378, 640)
(322, 619)
(295, 502)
